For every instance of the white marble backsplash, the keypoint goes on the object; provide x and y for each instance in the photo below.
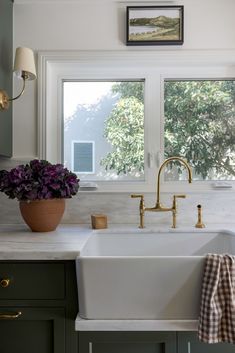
(217, 206)
(120, 208)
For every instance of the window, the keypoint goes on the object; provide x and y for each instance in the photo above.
(113, 117)
(200, 126)
(111, 113)
(82, 157)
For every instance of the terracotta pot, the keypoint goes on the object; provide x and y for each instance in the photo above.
(42, 215)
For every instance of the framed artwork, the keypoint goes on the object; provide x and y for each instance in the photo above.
(155, 25)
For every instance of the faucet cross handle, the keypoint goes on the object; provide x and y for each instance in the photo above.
(181, 196)
(174, 208)
(137, 195)
(177, 197)
(141, 208)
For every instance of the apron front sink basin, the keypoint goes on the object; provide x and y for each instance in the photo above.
(145, 275)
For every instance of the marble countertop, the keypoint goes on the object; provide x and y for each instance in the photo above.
(17, 242)
(135, 325)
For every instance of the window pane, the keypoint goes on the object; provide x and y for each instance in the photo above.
(83, 156)
(200, 126)
(104, 129)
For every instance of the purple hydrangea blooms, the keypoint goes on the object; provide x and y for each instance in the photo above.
(38, 180)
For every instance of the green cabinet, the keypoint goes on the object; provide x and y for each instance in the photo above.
(38, 307)
(33, 281)
(127, 342)
(36, 330)
(147, 342)
(189, 343)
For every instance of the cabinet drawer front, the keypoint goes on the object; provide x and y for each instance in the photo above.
(37, 330)
(32, 281)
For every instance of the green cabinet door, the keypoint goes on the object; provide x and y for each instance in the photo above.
(35, 330)
(127, 342)
(189, 343)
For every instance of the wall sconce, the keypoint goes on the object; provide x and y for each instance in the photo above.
(24, 67)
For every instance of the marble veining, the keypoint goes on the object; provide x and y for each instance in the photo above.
(17, 242)
(135, 325)
(218, 207)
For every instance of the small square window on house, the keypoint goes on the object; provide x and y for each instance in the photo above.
(83, 157)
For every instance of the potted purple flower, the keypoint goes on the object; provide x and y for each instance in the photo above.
(41, 189)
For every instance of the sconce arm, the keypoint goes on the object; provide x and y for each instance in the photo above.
(5, 99)
(22, 91)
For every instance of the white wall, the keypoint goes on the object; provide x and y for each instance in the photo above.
(100, 25)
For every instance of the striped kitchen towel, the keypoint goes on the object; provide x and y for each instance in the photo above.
(217, 310)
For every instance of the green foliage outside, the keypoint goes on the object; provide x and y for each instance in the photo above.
(199, 125)
(166, 28)
(124, 129)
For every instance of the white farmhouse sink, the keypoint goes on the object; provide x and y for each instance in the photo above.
(155, 276)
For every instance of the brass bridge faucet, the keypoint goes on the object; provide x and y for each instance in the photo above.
(159, 207)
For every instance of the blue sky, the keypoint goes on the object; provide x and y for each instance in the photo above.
(146, 13)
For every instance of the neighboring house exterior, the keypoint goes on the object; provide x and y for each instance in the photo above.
(84, 141)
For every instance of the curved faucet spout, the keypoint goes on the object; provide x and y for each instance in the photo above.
(158, 207)
(182, 161)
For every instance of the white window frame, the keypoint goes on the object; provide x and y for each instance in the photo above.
(93, 155)
(152, 66)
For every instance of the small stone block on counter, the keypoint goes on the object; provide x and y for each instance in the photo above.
(98, 221)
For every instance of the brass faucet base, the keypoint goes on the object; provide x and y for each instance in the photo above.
(201, 225)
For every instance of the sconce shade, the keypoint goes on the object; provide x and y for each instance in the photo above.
(24, 68)
(24, 61)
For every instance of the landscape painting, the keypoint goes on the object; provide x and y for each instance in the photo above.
(155, 25)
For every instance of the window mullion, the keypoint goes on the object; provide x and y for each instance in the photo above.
(152, 126)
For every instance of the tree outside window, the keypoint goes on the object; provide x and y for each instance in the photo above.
(199, 126)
